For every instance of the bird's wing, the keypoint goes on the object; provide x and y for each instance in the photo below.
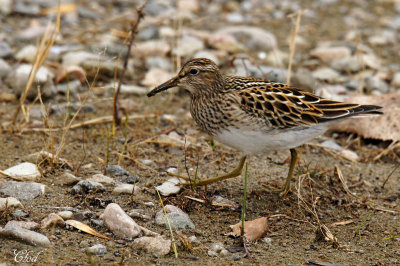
(282, 106)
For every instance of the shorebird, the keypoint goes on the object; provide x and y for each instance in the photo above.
(255, 115)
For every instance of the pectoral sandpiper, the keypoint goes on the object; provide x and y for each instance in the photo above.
(254, 115)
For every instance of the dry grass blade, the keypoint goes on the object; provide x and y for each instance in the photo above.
(341, 178)
(342, 223)
(85, 228)
(133, 33)
(292, 44)
(46, 43)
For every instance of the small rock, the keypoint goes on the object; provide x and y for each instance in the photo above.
(130, 180)
(348, 64)
(5, 49)
(156, 245)
(156, 48)
(267, 240)
(29, 225)
(158, 62)
(102, 179)
(147, 162)
(97, 250)
(10, 202)
(126, 189)
(18, 214)
(220, 201)
(155, 77)
(169, 187)
(67, 108)
(330, 54)
(139, 213)
(66, 215)
(187, 46)
(27, 54)
(86, 186)
(327, 74)
(52, 220)
(194, 241)
(375, 83)
(176, 217)
(25, 236)
(18, 78)
(116, 170)
(350, 155)
(25, 171)
(331, 144)
(22, 190)
(217, 249)
(396, 80)
(120, 223)
(66, 179)
(5, 68)
(172, 170)
(148, 33)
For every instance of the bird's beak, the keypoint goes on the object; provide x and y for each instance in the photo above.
(165, 86)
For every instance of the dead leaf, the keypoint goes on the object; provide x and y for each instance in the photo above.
(342, 223)
(85, 228)
(383, 127)
(70, 73)
(253, 230)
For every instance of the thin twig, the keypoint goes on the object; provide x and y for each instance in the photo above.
(292, 44)
(133, 33)
(391, 173)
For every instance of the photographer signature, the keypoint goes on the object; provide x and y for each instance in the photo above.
(26, 255)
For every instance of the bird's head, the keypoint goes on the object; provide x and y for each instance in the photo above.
(199, 76)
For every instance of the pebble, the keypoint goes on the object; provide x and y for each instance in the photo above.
(126, 189)
(77, 58)
(155, 77)
(72, 87)
(97, 250)
(193, 240)
(267, 240)
(327, 74)
(375, 83)
(330, 54)
(226, 42)
(5, 68)
(151, 48)
(155, 245)
(52, 220)
(10, 202)
(86, 186)
(130, 180)
(25, 171)
(66, 179)
(253, 38)
(187, 46)
(396, 80)
(347, 64)
(120, 223)
(177, 218)
(220, 201)
(5, 49)
(20, 214)
(148, 33)
(217, 249)
(66, 215)
(102, 179)
(116, 170)
(18, 78)
(172, 170)
(170, 187)
(67, 108)
(331, 144)
(29, 225)
(22, 190)
(25, 236)
(158, 62)
(27, 54)
(139, 213)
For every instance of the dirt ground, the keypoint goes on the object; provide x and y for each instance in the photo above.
(361, 223)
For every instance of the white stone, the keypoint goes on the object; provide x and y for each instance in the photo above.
(396, 80)
(10, 202)
(66, 215)
(169, 187)
(188, 45)
(120, 223)
(327, 74)
(102, 179)
(28, 54)
(25, 171)
(155, 77)
(156, 245)
(126, 189)
(330, 54)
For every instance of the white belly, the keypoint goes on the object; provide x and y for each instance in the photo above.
(251, 142)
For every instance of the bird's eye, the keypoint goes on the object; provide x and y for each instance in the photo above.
(194, 71)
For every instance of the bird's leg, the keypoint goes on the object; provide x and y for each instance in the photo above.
(237, 171)
(286, 187)
(293, 161)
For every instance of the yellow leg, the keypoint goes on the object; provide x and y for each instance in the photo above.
(202, 182)
(293, 162)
